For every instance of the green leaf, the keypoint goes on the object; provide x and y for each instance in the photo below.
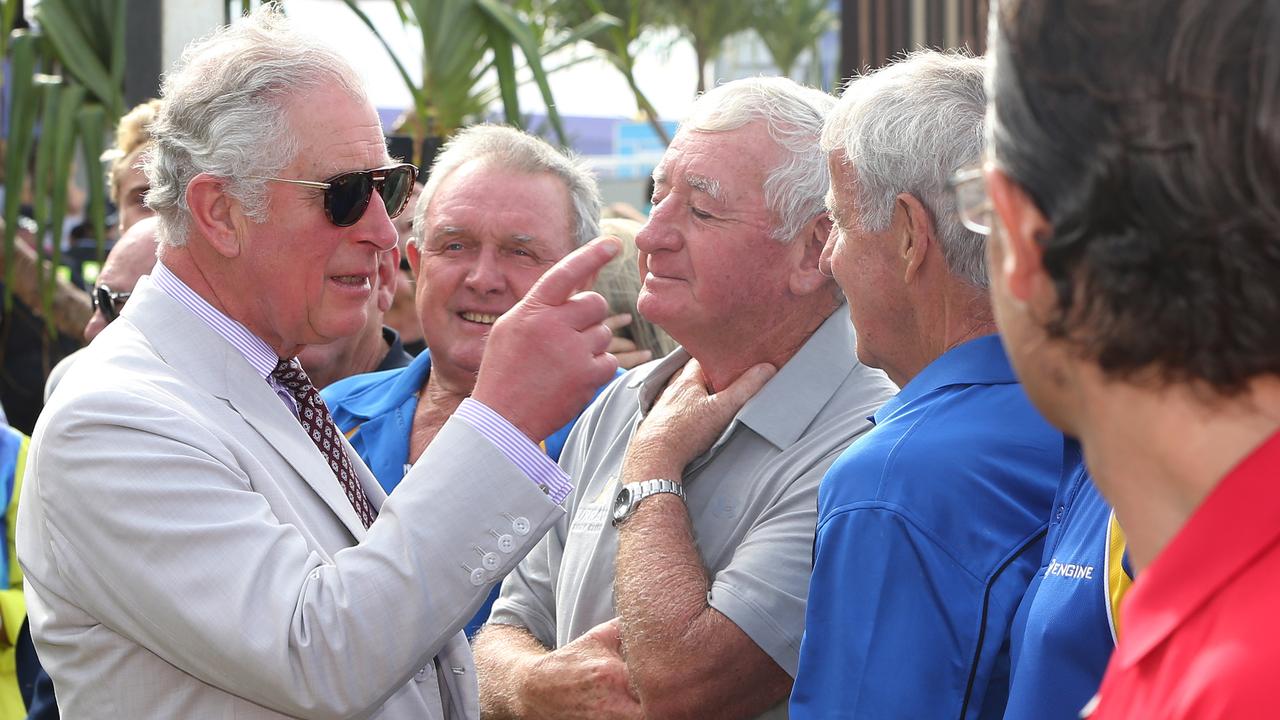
(504, 63)
(61, 24)
(42, 184)
(404, 73)
(119, 34)
(596, 26)
(22, 56)
(93, 126)
(63, 138)
(522, 37)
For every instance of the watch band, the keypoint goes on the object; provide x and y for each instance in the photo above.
(630, 495)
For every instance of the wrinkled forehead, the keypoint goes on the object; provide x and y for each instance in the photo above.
(722, 164)
(336, 132)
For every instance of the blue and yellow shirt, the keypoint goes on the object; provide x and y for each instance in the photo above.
(1067, 625)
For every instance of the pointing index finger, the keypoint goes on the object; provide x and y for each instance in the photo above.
(575, 271)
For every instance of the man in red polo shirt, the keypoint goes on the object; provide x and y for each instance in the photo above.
(1134, 190)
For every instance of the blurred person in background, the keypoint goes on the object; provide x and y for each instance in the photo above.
(636, 340)
(132, 257)
(1131, 194)
(126, 182)
(18, 661)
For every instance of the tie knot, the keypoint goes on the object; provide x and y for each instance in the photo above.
(290, 374)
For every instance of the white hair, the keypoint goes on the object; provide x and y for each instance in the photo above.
(225, 112)
(906, 128)
(517, 151)
(795, 190)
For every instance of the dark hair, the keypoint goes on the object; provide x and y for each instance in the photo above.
(1148, 132)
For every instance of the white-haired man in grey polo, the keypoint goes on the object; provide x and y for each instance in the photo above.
(706, 553)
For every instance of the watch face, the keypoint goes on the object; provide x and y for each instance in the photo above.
(621, 505)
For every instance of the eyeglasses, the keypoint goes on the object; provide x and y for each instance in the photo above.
(972, 204)
(346, 196)
(108, 301)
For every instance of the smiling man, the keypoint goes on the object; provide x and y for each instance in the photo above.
(676, 586)
(198, 540)
(501, 207)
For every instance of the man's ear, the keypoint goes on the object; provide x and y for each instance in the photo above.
(1015, 252)
(919, 235)
(806, 277)
(414, 256)
(388, 276)
(215, 215)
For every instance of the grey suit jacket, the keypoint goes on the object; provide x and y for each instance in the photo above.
(189, 554)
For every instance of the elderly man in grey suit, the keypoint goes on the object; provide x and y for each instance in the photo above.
(198, 540)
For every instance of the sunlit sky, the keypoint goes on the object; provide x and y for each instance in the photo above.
(592, 87)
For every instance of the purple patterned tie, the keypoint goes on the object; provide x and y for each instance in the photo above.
(318, 424)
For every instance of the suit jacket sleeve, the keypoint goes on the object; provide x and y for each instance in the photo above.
(161, 530)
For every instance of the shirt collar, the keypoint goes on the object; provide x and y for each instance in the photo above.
(377, 398)
(257, 352)
(788, 403)
(981, 361)
(1239, 518)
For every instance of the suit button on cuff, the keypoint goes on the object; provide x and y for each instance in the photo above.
(477, 576)
(521, 525)
(506, 543)
(490, 561)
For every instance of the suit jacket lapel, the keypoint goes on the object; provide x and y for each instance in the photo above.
(187, 343)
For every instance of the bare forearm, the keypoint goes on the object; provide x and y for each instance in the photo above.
(501, 654)
(584, 680)
(660, 582)
(677, 646)
(684, 657)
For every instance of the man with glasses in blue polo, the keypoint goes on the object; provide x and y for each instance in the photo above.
(932, 524)
(198, 538)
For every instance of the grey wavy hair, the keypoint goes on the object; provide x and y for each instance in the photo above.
(796, 190)
(510, 149)
(905, 129)
(225, 112)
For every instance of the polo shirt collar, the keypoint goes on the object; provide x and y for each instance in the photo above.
(1238, 520)
(788, 403)
(981, 361)
(377, 398)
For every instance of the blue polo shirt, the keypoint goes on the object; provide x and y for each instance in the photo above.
(930, 526)
(1066, 627)
(375, 412)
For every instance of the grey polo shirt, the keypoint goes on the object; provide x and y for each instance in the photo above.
(752, 498)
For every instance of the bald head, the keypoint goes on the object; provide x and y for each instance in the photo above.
(133, 256)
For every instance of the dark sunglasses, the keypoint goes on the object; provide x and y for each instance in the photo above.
(109, 302)
(346, 196)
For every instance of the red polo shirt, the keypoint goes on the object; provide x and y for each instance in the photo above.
(1202, 623)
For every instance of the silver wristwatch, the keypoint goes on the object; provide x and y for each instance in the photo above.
(630, 495)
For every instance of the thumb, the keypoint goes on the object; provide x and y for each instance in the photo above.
(608, 634)
(575, 271)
